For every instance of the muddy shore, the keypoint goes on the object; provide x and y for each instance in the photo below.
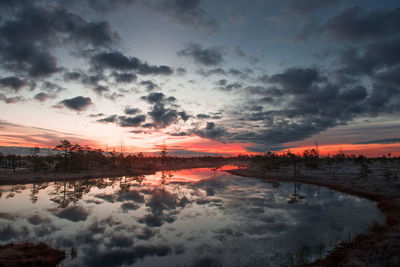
(380, 247)
(27, 254)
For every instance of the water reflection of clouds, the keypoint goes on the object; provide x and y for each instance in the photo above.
(192, 217)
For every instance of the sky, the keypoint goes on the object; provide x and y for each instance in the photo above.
(201, 76)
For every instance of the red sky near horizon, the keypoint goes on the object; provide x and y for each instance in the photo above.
(16, 135)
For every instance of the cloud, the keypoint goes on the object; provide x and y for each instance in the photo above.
(187, 13)
(42, 97)
(181, 71)
(8, 232)
(30, 33)
(216, 71)
(374, 57)
(163, 112)
(78, 103)
(129, 206)
(381, 141)
(11, 100)
(131, 111)
(357, 24)
(51, 87)
(124, 77)
(224, 87)
(112, 118)
(117, 61)
(150, 86)
(205, 56)
(37, 219)
(132, 196)
(296, 80)
(74, 213)
(125, 121)
(13, 83)
(212, 132)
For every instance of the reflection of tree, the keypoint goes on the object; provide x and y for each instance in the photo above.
(67, 192)
(33, 196)
(35, 190)
(293, 198)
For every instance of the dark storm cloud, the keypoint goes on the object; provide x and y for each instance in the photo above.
(179, 134)
(125, 121)
(164, 112)
(203, 116)
(205, 56)
(150, 85)
(96, 115)
(13, 83)
(51, 87)
(131, 111)
(135, 196)
(298, 103)
(381, 141)
(228, 87)
(31, 32)
(112, 118)
(296, 80)
(163, 206)
(78, 103)
(100, 89)
(206, 116)
(128, 206)
(124, 77)
(184, 116)
(72, 76)
(185, 12)
(210, 131)
(8, 232)
(37, 219)
(154, 98)
(375, 56)
(43, 97)
(117, 61)
(390, 76)
(74, 213)
(162, 117)
(355, 23)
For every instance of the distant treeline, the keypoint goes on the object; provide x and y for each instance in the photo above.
(75, 157)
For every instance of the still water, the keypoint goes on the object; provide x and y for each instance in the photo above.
(198, 217)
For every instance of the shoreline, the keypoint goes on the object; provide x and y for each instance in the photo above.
(380, 247)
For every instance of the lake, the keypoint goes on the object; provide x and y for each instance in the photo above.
(197, 217)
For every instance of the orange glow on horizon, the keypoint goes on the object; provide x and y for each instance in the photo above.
(12, 135)
(370, 150)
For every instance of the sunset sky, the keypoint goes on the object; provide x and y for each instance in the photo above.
(201, 76)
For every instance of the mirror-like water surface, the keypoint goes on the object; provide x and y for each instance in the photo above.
(197, 217)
